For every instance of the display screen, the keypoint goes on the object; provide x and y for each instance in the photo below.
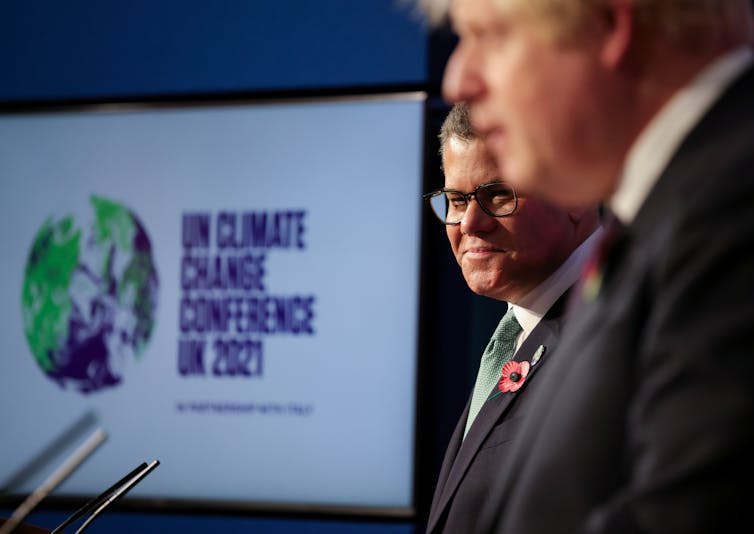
(232, 290)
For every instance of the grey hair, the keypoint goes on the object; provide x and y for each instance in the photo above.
(457, 124)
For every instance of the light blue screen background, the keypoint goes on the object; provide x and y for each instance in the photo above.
(355, 168)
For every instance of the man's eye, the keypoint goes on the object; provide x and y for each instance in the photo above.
(501, 198)
(489, 37)
(456, 200)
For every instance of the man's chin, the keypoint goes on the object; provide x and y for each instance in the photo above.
(487, 288)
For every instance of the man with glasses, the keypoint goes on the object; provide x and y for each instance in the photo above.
(516, 249)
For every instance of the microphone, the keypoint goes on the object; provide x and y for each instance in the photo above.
(98, 500)
(141, 473)
(54, 480)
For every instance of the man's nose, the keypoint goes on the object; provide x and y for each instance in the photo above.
(461, 82)
(476, 220)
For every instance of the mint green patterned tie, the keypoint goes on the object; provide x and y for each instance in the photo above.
(499, 350)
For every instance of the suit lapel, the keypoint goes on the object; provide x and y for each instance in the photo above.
(447, 463)
(461, 452)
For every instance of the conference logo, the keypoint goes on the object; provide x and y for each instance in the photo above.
(89, 295)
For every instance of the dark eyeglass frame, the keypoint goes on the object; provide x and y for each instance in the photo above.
(467, 198)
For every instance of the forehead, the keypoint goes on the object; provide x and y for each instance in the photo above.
(481, 11)
(468, 164)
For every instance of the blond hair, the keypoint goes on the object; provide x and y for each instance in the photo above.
(689, 23)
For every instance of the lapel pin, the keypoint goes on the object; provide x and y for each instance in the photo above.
(538, 354)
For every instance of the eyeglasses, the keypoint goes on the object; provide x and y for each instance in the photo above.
(496, 199)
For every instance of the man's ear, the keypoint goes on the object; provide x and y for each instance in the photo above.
(619, 17)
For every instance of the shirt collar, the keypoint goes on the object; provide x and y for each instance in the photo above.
(656, 144)
(530, 309)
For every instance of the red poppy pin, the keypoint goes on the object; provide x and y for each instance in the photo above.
(513, 376)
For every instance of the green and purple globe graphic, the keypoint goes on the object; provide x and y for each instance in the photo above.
(90, 295)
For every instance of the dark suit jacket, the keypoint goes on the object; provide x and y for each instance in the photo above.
(645, 422)
(471, 466)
